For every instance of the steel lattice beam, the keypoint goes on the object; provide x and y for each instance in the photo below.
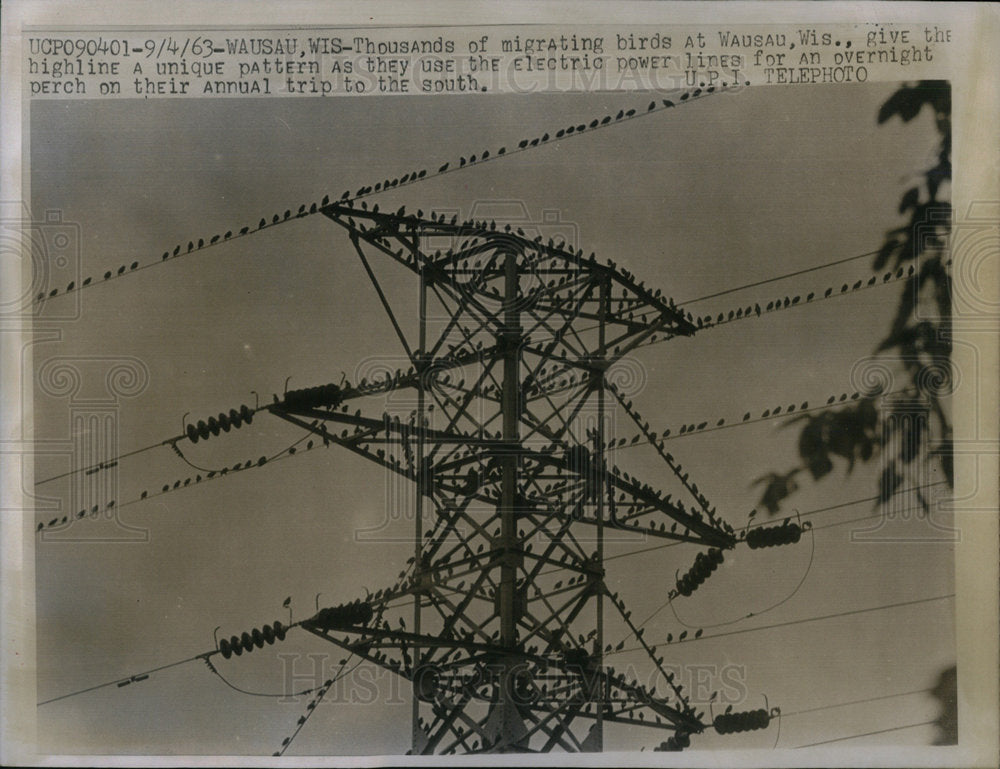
(507, 448)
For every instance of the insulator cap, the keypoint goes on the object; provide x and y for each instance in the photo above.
(750, 720)
(357, 613)
(773, 536)
(328, 395)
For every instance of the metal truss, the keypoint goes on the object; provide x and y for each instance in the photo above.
(507, 446)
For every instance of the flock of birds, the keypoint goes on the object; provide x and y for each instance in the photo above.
(386, 382)
(306, 209)
(481, 227)
(405, 585)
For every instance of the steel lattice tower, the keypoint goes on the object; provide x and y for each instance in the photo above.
(515, 494)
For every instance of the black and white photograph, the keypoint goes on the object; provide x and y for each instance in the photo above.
(477, 423)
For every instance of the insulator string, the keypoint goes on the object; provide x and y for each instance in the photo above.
(246, 417)
(798, 586)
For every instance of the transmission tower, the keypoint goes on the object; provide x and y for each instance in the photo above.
(503, 427)
(515, 494)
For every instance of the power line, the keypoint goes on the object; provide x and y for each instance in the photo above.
(812, 554)
(122, 682)
(867, 734)
(844, 399)
(104, 465)
(286, 743)
(856, 702)
(900, 275)
(816, 511)
(773, 279)
(669, 601)
(287, 453)
(777, 278)
(235, 688)
(808, 619)
(107, 464)
(406, 180)
(706, 322)
(129, 679)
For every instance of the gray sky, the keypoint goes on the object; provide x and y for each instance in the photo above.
(725, 191)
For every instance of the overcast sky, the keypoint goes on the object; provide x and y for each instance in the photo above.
(725, 191)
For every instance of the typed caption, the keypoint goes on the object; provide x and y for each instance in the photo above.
(329, 62)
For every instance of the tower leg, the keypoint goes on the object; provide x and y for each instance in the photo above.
(512, 725)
